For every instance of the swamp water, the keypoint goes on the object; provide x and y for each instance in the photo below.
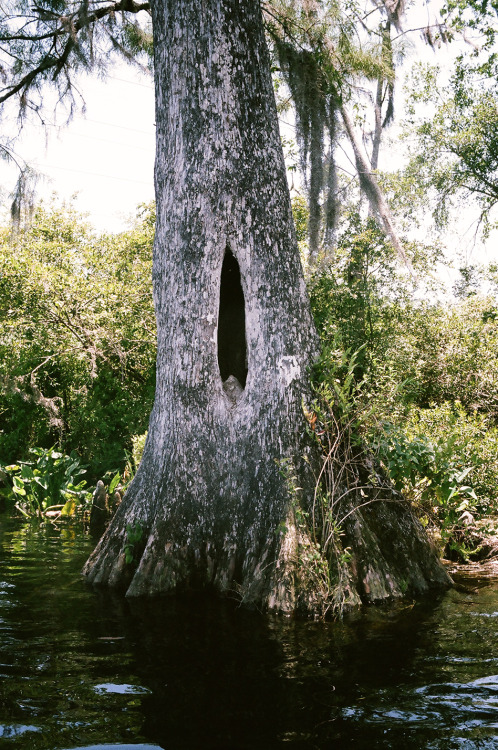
(81, 668)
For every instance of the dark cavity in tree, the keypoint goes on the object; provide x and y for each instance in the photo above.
(232, 347)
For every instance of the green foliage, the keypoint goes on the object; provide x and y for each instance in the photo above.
(50, 480)
(300, 214)
(430, 472)
(138, 449)
(77, 337)
(119, 480)
(447, 351)
(45, 46)
(458, 126)
(409, 353)
(339, 418)
(469, 440)
(393, 399)
(358, 300)
(446, 461)
(478, 16)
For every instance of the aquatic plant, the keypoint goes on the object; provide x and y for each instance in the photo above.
(49, 484)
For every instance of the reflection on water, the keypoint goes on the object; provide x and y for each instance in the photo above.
(109, 687)
(86, 669)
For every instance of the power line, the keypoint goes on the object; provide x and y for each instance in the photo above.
(132, 83)
(96, 174)
(107, 140)
(121, 127)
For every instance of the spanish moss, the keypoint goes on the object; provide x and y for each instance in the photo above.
(316, 105)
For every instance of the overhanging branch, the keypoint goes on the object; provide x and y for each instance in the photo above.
(66, 30)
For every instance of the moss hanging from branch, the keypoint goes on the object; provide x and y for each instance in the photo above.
(316, 103)
(388, 61)
(23, 198)
(317, 70)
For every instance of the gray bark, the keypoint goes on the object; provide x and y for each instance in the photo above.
(210, 494)
(377, 136)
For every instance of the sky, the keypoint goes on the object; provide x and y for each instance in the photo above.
(104, 157)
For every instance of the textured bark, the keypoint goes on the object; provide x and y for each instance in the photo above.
(210, 494)
(377, 135)
(391, 556)
(216, 498)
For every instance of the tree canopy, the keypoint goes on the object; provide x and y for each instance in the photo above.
(341, 65)
(77, 336)
(44, 45)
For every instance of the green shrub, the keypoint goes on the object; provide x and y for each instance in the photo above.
(138, 448)
(424, 385)
(50, 480)
(77, 338)
(446, 461)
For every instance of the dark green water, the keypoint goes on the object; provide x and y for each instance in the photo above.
(79, 668)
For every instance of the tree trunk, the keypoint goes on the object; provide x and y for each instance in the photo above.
(235, 334)
(217, 498)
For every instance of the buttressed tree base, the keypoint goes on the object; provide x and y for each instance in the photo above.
(222, 484)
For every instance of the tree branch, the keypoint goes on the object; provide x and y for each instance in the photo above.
(68, 26)
(372, 190)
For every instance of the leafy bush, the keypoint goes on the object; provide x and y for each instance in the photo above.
(138, 449)
(51, 480)
(77, 338)
(413, 359)
(472, 439)
(446, 462)
(449, 351)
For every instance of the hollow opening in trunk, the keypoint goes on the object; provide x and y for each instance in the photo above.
(232, 346)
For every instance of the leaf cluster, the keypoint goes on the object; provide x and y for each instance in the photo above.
(47, 481)
(77, 337)
(44, 45)
(458, 126)
(415, 383)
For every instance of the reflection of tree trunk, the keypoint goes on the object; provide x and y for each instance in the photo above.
(235, 333)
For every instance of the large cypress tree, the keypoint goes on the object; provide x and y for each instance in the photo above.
(235, 335)
(223, 487)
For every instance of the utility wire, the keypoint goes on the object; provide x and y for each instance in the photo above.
(107, 140)
(132, 83)
(121, 127)
(97, 174)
